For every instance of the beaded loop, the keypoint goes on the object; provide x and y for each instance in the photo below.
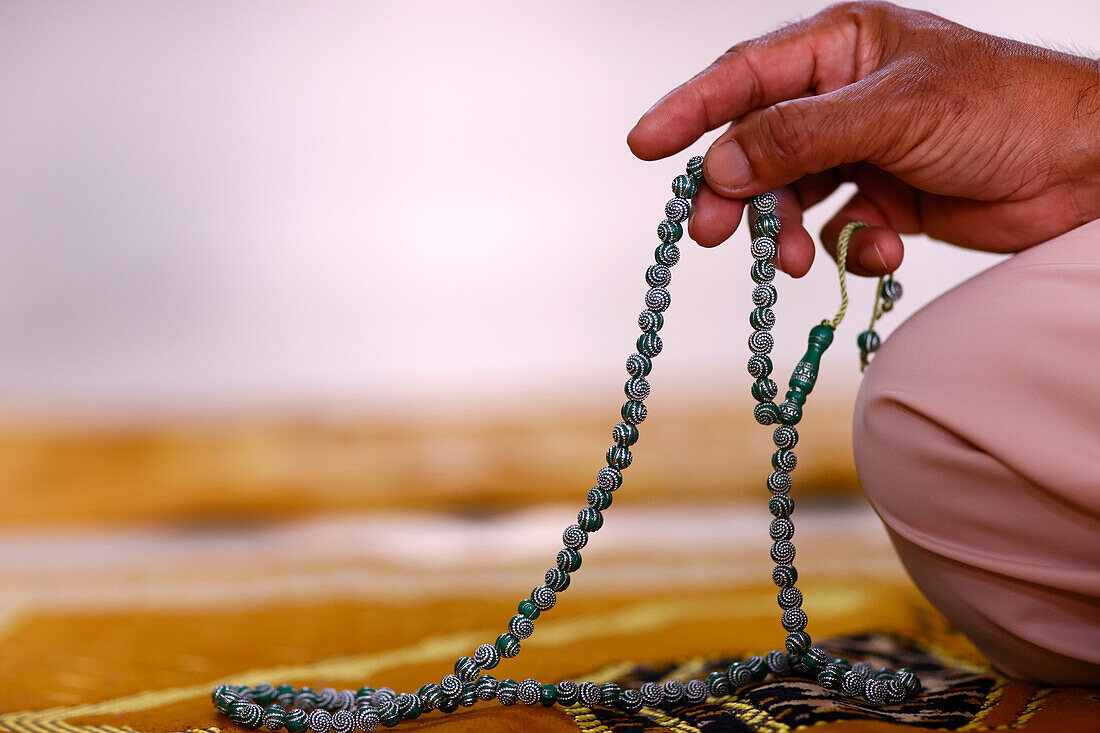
(284, 707)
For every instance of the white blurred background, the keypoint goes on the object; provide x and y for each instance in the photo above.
(341, 205)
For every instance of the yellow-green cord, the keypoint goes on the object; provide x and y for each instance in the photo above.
(841, 262)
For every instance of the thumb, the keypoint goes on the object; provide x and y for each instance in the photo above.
(780, 144)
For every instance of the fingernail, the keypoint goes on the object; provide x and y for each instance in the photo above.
(871, 258)
(727, 166)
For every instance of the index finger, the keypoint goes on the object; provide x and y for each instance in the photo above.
(836, 47)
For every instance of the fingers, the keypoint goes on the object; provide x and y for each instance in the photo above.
(838, 46)
(794, 244)
(783, 143)
(713, 218)
(872, 251)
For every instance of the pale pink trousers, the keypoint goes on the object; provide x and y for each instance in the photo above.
(977, 441)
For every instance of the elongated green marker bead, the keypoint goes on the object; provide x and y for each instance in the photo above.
(805, 372)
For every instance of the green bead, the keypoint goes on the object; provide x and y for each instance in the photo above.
(634, 412)
(506, 691)
(609, 693)
(669, 232)
(590, 519)
(868, 341)
(781, 505)
(695, 167)
(790, 412)
(798, 642)
(649, 344)
(528, 609)
(805, 372)
(599, 499)
(549, 695)
(296, 720)
(667, 254)
(684, 186)
(618, 456)
(274, 717)
(625, 434)
(391, 716)
(766, 225)
(507, 645)
(448, 705)
(414, 711)
(557, 579)
(569, 560)
(764, 389)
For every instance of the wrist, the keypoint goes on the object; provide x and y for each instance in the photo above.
(1083, 142)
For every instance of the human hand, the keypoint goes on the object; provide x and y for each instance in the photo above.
(976, 140)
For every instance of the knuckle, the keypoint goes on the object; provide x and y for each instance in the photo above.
(784, 134)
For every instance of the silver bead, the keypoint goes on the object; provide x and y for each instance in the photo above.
(574, 537)
(784, 576)
(781, 529)
(367, 719)
(777, 662)
(630, 701)
(765, 203)
(673, 691)
(608, 479)
(248, 714)
(783, 553)
(830, 677)
(657, 299)
(761, 342)
(486, 687)
(763, 248)
(486, 656)
(669, 232)
(895, 691)
(874, 691)
(695, 691)
(784, 459)
(790, 597)
(343, 722)
(785, 436)
(650, 321)
(667, 254)
(651, 693)
(762, 271)
(544, 597)
(568, 693)
(684, 186)
(759, 366)
(740, 675)
(530, 692)
(851, 684)
(521, 627)
(794, 619)
(320, 721)
(764, 295)
(863, 669)
(589, 694)
(762, 318)
(779, 482)
(766, 413)
(450, 685)
(677, 209)
(695, 167)
(637, 388)
(326, 697)
(658, 276)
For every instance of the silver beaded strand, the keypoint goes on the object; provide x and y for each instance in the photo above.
(297, 710)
